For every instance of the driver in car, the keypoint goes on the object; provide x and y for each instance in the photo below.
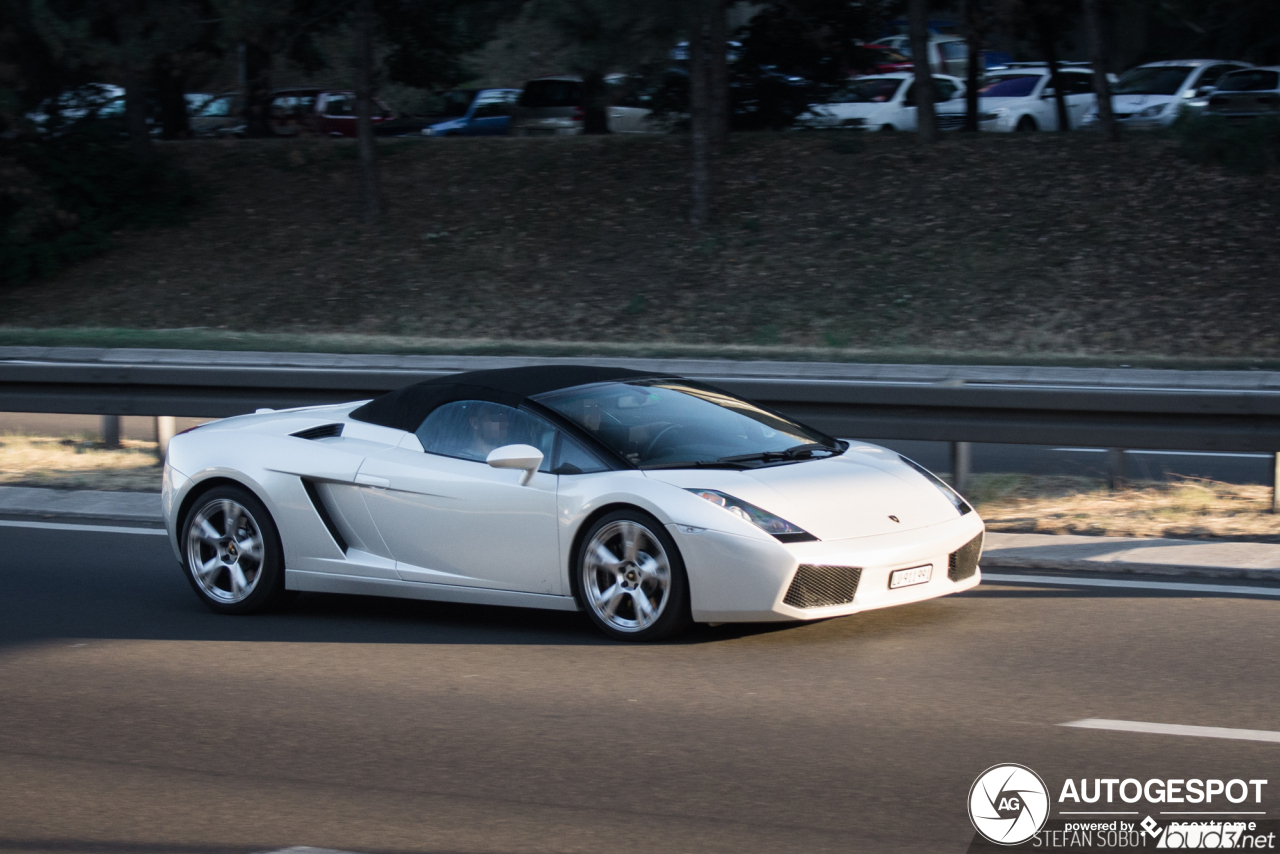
(490, 428)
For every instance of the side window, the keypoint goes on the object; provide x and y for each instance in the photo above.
(470, 429)
(572, 458)
(338, 105)
(909, 99)
(1076, 84)
(1212, 73)
(490, 109)
(945, 88)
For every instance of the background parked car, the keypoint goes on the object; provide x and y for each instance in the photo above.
(1022, 99)
(488, 114)
(554, 106)
(92, 100)
(216, 115)
(882, 102)
(1247, 94)
(947, 54)
(1155, 94)
(325, 112)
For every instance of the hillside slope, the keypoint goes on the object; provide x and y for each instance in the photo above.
(1024, 244)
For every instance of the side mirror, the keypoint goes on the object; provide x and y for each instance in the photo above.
(527, 458)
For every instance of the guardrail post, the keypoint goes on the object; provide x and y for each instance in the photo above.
(166, 426)
(1115, 468)
(961, 463)
(1275, 482)
(111, 431)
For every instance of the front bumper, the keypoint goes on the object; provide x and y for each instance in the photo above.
(744, 579)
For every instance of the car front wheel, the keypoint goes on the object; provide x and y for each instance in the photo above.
(632, 579)
(1026, 124)
(231, 552)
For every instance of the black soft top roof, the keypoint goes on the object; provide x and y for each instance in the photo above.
(405, 408)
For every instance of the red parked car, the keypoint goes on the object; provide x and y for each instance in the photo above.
(325, 112)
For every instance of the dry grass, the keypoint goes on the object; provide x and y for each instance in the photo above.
(1188, 508)
(1007, 244)
(78, 464)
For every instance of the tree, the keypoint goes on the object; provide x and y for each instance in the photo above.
(926, 119)
(1101, 85)
(367, 155)
(976, 24)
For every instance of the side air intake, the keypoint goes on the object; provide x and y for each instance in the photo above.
(322, 511)
(820, 586)
(324, 431)
(963, 562)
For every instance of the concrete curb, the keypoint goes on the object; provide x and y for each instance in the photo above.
(1133, 556)
(140, 509)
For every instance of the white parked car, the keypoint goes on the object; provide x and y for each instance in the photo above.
(1152, 96)
(1022, 99)
(882, 102)
(646, 501)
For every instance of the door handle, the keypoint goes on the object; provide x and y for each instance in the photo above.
(370, 480)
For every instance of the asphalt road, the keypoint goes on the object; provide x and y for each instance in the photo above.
(132, 720)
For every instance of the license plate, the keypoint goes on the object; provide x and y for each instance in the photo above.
(907, 577)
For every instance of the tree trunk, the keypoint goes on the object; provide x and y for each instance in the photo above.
(257, 90)
(926, 120)
(718, 76)
(595, 103)
(700, 117)
(1101, 85)
(366, 145)
(973, 73)
(1048, 43)
(135, 118)
(174, 120)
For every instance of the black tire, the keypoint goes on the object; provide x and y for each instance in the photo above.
(888, 129)
(262, 572)
(590, 573)
(1026, 124)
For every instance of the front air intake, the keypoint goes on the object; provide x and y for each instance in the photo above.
(963, 562)
(820, 586)
(323, 431)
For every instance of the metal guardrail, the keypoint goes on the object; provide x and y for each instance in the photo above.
(1191, 419)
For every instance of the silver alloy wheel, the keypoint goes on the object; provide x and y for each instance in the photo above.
(626, 576)
(225, 553)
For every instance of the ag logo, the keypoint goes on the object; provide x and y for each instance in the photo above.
(1008, 804)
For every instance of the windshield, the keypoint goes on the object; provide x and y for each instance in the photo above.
(1010, 87)
(868, 91)
(1160, 80)
(670, 423)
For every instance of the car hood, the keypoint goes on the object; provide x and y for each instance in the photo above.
(857, 494)
(1136, 103)
(849, 110)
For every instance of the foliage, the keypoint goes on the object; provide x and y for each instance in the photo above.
(1249, 147)
(62, 197)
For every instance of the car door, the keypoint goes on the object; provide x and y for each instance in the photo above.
(490, 114)
(1078, 89)
(450, 518)
(338, 114)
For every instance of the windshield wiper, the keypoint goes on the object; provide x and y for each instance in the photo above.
(698, 464)
(797, 452)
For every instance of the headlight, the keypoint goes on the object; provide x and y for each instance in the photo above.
(951, 495)
(990, 116)
(1151, 112)
(762, 519)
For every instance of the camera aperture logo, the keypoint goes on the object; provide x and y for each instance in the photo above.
(1008, 804)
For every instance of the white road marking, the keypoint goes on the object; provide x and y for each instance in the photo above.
(1177, 729)
(100, 529)
(303, 849)
(1063, 581)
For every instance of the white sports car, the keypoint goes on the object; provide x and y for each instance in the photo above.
(648, 501)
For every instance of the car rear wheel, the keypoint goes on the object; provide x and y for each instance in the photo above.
(1026, 124)
(231, 552)
(887, 128)
(632, 579)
